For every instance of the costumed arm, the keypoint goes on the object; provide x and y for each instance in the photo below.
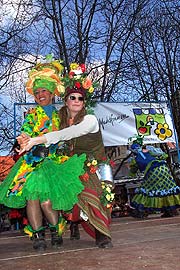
(29, 122)
(88, 125)
(26, 130)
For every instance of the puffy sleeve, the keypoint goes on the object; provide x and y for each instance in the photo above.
(88, 125)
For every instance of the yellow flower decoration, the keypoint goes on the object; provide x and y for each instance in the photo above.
(103, 185)
(108, 197)
(91, 89)
(88, 164)
(163, 131)
(74, 66)
(94, 162)
(108, 189)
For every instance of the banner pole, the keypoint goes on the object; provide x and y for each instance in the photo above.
(175, 133)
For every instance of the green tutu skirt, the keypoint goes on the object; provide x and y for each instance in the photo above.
(49, 180)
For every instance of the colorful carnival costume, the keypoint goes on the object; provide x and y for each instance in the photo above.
(43, 173)
(44, 179)
(158, 191)
(84, 136)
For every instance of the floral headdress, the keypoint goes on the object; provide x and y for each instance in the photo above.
(46, 75)
(77, 81)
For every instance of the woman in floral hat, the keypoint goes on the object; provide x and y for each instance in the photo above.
(83, 134)
(45, 180)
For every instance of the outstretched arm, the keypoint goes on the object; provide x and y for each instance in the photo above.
(88, 125)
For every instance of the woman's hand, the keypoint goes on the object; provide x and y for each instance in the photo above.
(22, 141)
(26, 142)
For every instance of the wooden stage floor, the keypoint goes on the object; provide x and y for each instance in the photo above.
(152, 244)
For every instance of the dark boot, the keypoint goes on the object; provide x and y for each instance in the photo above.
(56, 240)
(167, 213)
(39, 242)
(103, 241)
(74, 229)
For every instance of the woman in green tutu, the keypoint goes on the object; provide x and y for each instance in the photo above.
(45, 180)
(81, 130)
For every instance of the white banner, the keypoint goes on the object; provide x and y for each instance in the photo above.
(119, 121)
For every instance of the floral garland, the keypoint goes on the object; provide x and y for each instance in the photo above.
(107, 196)
(91, 167)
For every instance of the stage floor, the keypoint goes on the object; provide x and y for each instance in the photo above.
(152, 243)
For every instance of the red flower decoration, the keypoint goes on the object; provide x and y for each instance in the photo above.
(71, 74)
(77, 85)
(93, 169)
(112, 163)
(85, 177)
(83, 67)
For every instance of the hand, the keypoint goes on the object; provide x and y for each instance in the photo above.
(22, 141)
(27, 142)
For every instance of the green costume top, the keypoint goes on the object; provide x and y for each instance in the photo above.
(43, 173)
(36, 123)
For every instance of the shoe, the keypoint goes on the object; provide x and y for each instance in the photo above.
(56, 240)
(39, 242)
(74, 229)
(167, 214)
(103, 241)
(138, 214)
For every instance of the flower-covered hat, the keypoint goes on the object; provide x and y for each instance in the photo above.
(77, 81)
(46, 75)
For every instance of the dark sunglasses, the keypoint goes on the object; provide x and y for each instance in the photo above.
(74, 98)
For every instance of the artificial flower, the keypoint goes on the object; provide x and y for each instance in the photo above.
(91, 90)
(85, 177)
(107, 196)
(74, 66)
(93, 169)
(77, 85)
(94, 162)
(87, 83)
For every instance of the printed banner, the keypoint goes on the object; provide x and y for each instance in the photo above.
(120, 121)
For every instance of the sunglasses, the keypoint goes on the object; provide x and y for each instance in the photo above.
(74, 98)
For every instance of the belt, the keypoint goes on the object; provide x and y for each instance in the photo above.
(40, 151)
